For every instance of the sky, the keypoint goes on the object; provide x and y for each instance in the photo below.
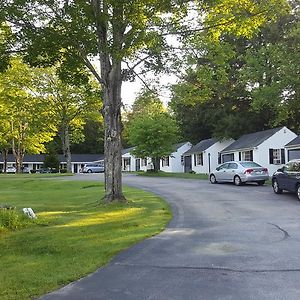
(131, 89)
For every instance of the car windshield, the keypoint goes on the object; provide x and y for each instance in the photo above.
(250, 164)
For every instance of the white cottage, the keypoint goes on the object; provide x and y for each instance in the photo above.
(131, 163)
(264, 147)
(174, 162)
(293, 149)
(203, 157)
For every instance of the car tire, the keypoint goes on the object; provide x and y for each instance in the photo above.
(276, 188)
(261, 182)
(298, 191)
(237, 180)
(212, 179)
(89, 171)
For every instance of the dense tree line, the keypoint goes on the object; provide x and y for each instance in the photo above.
(235, 85)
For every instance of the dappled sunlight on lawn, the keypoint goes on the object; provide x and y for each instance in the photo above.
(104, 217)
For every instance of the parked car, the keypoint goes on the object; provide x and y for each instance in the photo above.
(239, 172)
(93, 168)
(287, 178)
(11, 170)
(43, 170)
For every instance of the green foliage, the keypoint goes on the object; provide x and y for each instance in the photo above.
(153, 135)
(25, 112)
(6, 39)
(239, 85)
(93, 136)
(13, 219)
(51, 161)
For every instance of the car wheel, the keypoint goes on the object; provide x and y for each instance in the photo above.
(89, 171)
(276, 188)
(298, 191)
(261, 182)
(213, 179)
(237, 180)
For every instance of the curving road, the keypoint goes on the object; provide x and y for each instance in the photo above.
(224, 242)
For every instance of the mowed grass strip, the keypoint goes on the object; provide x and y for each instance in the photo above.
(74, 233)
(174, 175)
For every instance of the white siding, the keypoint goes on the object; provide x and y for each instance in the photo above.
(175, 164)
(212, 152)
(261, 153)
(276, 141)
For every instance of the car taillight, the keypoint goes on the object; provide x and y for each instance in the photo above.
(265, 170)
(248, 171)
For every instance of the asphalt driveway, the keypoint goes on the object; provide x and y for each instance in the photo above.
(224, 242)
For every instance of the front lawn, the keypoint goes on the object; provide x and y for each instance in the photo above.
(73, 235)
(175, 175)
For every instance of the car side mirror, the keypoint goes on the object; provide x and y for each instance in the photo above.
(218, 169)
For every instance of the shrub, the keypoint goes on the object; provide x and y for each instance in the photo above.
(63, 170)
(12, 219)
(192, 172)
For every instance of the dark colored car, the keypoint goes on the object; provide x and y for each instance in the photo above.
(287, 178)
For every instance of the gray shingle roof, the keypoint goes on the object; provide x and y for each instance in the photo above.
(294, 142)
(177, 146)
(127, 150)
(201, 146)
(251, 140)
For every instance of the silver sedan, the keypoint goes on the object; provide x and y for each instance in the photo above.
(239, 172)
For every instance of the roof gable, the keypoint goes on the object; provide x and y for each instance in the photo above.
(251, 140)
(201, 146)
(294, 142)
(177, 146)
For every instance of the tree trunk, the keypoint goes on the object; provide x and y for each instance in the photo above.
(18, 147)
(156, 163)
(113, 128)
(65, 138)
(18, 153)
(5, 157)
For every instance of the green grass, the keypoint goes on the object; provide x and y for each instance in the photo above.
(36, 175)
(175, 175)
(74, 233)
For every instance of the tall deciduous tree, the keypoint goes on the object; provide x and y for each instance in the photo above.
(117, 31)
(70, 105)
(28, 115)
(153, 136)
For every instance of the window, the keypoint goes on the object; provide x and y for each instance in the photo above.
(293, 166)
(227, 157)
(222, 167)
(199, 159)
(247, 155)
(166, 161)
(277, 156)
(126, 164)
(232, 166)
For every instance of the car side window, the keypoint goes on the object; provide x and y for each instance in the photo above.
(224, 166)
(292, 167)
(232, 166)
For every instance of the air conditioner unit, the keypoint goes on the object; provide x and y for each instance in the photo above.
(277, 161)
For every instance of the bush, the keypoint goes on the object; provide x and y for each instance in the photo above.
(12, 219)
(192, 172)
(63, 170)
